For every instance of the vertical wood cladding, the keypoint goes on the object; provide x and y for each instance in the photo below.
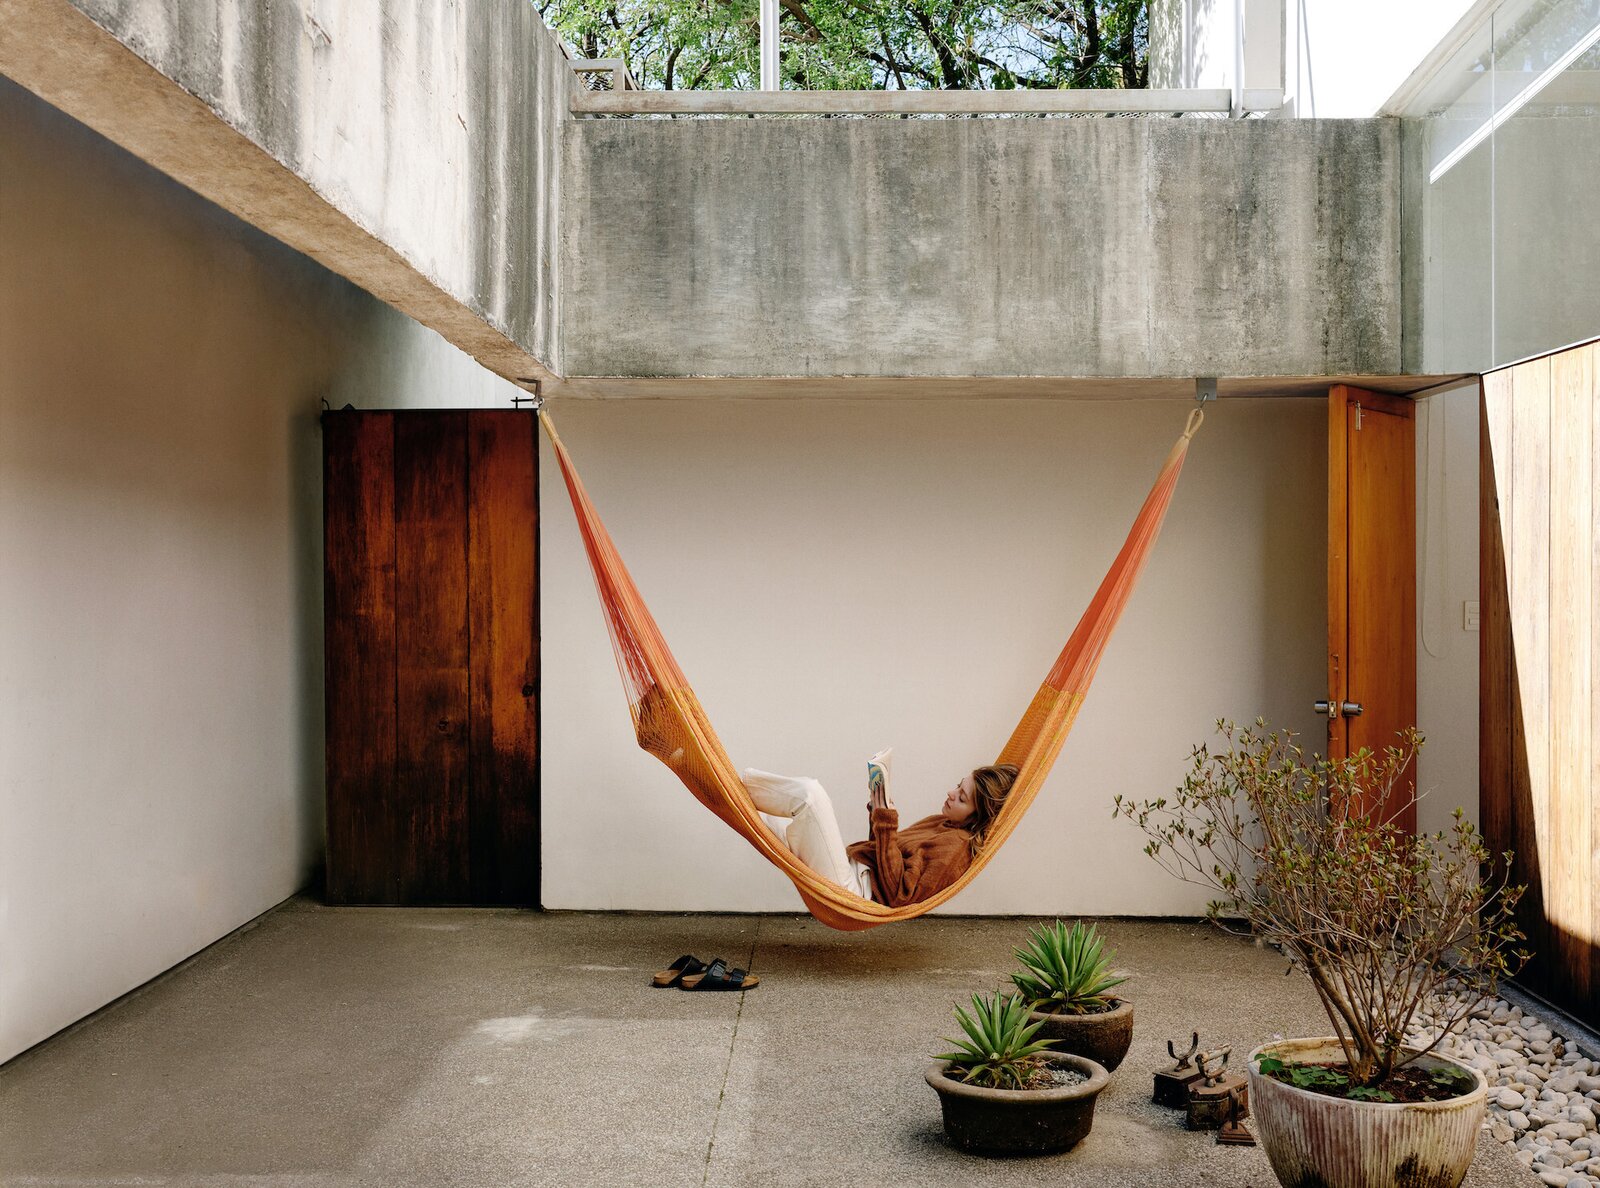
(1539, 763)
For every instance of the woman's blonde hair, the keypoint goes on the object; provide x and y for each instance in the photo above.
(991, 786)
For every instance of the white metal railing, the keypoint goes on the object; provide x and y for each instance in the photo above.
(1217, 101)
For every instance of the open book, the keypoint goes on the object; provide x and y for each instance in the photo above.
(878, 776)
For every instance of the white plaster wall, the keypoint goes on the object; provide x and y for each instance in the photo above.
(837, 577)
(161, 367)
(1447, 578)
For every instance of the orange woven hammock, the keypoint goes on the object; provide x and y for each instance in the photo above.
(672, 726)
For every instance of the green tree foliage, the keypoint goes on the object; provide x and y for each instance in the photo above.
(868, 44)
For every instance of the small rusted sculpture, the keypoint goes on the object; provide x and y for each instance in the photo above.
(1208, 1097)
(1172, 1084)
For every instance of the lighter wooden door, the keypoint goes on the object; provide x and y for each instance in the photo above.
(1372, 563)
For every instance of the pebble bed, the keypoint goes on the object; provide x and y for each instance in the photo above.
(1543, 1092)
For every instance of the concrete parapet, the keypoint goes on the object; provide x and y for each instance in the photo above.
(1007, 247)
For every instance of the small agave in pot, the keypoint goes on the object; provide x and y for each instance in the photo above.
(1005, 1092)
(1065, 979)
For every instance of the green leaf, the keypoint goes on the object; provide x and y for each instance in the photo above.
(1365, 1093)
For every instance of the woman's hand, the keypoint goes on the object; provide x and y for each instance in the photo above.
(878, 783)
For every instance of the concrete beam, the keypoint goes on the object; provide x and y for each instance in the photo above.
(1011, 248)
(977, 387)
(414, 153)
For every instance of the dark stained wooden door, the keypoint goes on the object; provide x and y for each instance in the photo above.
(431, 628)
(1372, 649)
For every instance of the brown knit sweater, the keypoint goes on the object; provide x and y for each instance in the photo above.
(910, 864)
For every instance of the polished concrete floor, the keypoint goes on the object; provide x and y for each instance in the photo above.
(325, 1047)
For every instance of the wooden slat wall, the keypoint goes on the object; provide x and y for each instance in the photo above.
(1540, 658)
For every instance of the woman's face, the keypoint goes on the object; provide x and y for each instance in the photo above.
(959, 804)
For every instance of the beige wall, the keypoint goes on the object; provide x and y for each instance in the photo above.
(161, 367)
(838, 577)
(1447, 579)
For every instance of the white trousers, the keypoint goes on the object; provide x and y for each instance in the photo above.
(799, 811)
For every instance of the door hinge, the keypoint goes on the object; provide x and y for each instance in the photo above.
(1358, 418)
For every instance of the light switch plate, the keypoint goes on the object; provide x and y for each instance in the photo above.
(1470, 616)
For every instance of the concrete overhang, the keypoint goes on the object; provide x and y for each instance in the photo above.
(431, 156)
(413, 152)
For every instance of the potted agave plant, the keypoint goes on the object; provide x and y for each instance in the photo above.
(1304, 851)
(1066, 979)
(1003, 1091)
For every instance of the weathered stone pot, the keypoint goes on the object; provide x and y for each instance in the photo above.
(1103, 1037)
(1332, 1142)
(1019, 1121)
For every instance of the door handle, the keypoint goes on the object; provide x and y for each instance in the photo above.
(1339, 709)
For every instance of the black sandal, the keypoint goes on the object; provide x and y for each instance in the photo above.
(719, 977)
(688, 964)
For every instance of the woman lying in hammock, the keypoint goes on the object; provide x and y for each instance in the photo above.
(893, 866)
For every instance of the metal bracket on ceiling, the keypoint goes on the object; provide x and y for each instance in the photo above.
(1205, 389)
(535, 394)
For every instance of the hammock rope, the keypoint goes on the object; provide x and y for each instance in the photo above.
(670, 723)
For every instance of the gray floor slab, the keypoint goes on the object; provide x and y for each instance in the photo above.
(333, 1047)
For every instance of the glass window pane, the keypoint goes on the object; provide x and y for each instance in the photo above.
(1546, 175)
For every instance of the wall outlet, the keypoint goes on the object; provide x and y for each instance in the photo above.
(1470, 616)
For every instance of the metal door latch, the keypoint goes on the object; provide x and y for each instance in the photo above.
(1339, 709)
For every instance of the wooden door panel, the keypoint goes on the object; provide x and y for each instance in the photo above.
(502, 558)
(430, 800)
(359, 617)
(1372, 572)
(431, 535)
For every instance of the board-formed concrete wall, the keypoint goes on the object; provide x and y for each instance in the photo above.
(412, 148)
(1070, 247)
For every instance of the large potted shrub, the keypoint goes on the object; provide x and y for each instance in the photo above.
(1303, 852)
(1004, 1092)
(1066, 979)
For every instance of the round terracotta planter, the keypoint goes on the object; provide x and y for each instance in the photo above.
(1019, 1121)
(1333, 1142)
(1103, 1038)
